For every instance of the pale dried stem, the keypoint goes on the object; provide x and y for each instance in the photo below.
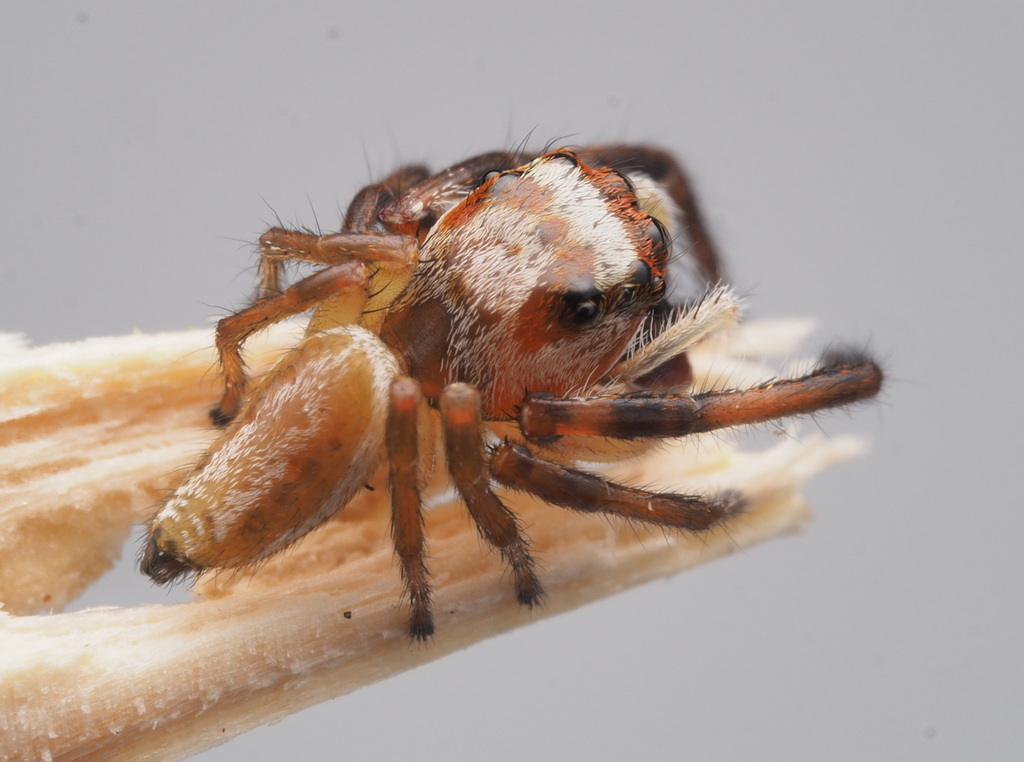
(92, 434)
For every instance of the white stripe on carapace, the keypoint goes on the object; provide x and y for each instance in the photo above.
(590, 219)
(556, 219)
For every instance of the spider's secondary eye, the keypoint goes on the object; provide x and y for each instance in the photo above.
(659, 237)
(568, 156)
(502, 181)
(583, 304)
(639, 274)
(619, 180)
(488, 175)
(640, 279)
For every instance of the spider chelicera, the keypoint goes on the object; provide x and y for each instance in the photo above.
(520, 293)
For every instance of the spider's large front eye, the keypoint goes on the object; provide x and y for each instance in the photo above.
(582, 304)
(426, 222)
(501, 182)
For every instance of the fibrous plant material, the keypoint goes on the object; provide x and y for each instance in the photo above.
(93, 434)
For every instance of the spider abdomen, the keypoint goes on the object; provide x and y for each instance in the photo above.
(307, 440)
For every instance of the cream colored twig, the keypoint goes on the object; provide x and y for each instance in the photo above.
(92, 434)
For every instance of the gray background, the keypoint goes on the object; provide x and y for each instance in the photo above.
(860, 163)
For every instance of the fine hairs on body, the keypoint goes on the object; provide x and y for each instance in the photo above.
(509, 317)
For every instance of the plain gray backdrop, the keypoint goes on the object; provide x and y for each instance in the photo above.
(859, 162)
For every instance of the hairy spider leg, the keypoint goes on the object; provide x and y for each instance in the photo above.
(428, 200)
(403, 446)
(350, 278)
(363, 213)
(515, 466)
(361, 216)
(839, 379)
(467, 463)
(365, 271)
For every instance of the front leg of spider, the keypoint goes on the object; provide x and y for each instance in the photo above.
(467, 462)
(840, 379)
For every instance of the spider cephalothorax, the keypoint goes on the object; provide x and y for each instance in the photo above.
(523, 290)
(537, 281)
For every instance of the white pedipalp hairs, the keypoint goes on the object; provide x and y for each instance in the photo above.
(716, 311)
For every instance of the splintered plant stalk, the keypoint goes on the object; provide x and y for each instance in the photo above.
(497, 339)
(94, 434)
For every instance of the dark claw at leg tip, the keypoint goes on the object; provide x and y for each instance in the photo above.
(219, 417)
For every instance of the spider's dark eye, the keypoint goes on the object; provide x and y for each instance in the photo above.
(566, 155)
(640, 279)
(639, 274)
(425, 223)
(585, 312)
(488, 175)
(659, 238)
(618, 180)
(583, 304)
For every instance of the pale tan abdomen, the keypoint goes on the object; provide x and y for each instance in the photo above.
(309, 438)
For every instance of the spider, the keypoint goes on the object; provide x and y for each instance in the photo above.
(525, 294)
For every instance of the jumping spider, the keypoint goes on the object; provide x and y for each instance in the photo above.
(527, 292)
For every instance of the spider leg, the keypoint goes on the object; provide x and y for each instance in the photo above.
(363, 211)
(360, 217)
(516, 467)
(840, 379)
(460, 414)
(662, 167)
(365, 271)
(429, 199)
(406, 507)
(350, 280)
(337, 248)
(392, 256)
